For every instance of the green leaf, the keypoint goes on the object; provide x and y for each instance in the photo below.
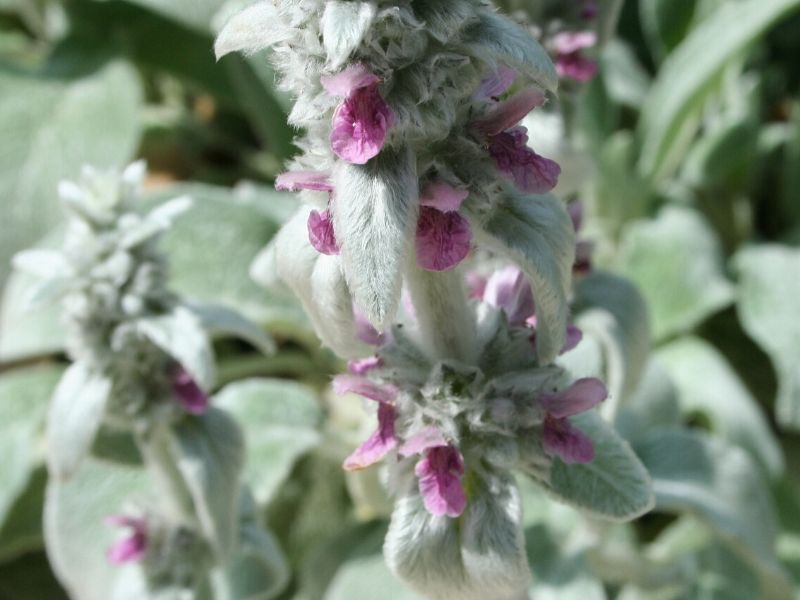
(707, 384)
(653, 404)
(53, 125)
(691, 73)
(209, 452)
(24, 396)
(676, 261)
(280, 420)
(666, 23)
(536, 233)
(222, 321)
(362, 575)
(76, 413)
(611, 310)
(768, 305)
(720, 484)
(197, 14)
(614, 486)
(77, 539)
(625, 79)
(22, 530)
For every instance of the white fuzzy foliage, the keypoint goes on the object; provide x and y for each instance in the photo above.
(375, 217)
(344, 25)
(318, 281)
(252, 30)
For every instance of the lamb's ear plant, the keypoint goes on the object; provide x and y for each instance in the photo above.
(412, 158)
(142, 369)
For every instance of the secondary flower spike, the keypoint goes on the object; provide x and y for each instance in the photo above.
(570, 62)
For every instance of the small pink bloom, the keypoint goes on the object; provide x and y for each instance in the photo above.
(379, 443)
(362, 366)
(508, 289)
(188, 394)
(294, 181)
(569, 61)
(581, 396)
(321, 234)
(530, 172)
(508, 113)
(443, 239)
(363, 119)
(561, 439)
(430, 437)
(443, 197)
(496, 83)
(476, 285)
(131, 548)
(439, 475)
(354, 384)
(575, 210)
(365, 331)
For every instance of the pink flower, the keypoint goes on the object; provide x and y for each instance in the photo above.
(496, 83)
(383, 441)
(321, 234)
(294, 181)
(508, 289)
(559, 436)
(362, 120)
(444, 237)
(188, 394)
(570, 63)
(572, 339)
(362, 366)
(131, 548)
(439, 472)
(476, 285)
(504, 115)
(530, 172)
(365, 331)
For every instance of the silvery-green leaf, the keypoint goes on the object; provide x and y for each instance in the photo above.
(156, 221)
(24, 395)
(768, 306)
(499, 40)
(706, 383)
(479, 555)
(46, 264)
(344, 25)
(614, 486)
(181, 335)
(76, 412)
(364, 573)
(375, 217)
(76, 537)
(280, 420)
(21, 531)
(253, 29)
(612, 311)
(720, 484)
(444, 18)
(654, 403)
(676, 261)
(209, 452)
(220, 320)
(536, 233)
(625, 79)
(318, 282)
(51, 127)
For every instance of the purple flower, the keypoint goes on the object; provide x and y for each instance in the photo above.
(509, 290)
(321, 234)
(496, 83)
(362, 366)
(294, 181)
(570, 63)
(131, 548)
(188, 394)
(365, 331)
(444, 237)
(439, 472)
(362, 120)
(530, 172)
(560, 437)
(383, 441)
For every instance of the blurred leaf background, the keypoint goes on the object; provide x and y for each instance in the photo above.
(691, 134)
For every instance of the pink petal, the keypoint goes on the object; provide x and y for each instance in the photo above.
(379, 443)
(476, 285)
(344, 384)
(581, 396)
(439, 476)
(365, 331)
(346, 82)
(360, 125)
(575, 210)
(530, 172)
(574, 337)
(130, 548)
(561, 439)
(443, 239)
(575, 66)
(509, 290)
(496, 83)
(569, 42)
(321, 234)
(430, 437)
(443, 197)
(294, 181)
(505, 115)
(188, 394)
(362, 366)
